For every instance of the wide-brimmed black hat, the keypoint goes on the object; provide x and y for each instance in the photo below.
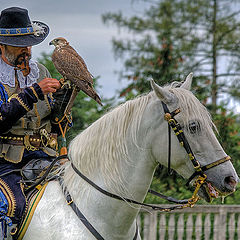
(16, 28)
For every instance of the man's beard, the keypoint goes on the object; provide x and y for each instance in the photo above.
(14, 60)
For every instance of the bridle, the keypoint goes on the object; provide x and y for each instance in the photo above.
(199, 173)
(177, 129)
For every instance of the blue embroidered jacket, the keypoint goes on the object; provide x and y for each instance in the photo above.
(11, 110)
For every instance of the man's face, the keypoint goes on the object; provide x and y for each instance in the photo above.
(15, 55)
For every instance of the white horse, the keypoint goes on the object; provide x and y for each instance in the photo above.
(119, 153)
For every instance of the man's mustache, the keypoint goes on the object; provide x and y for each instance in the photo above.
(25, 56)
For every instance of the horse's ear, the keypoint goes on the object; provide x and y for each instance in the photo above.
(188, 82)
(163, 94)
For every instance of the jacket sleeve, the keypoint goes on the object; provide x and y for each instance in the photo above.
(12, 109)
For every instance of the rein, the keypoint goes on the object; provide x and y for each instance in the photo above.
(112, 195)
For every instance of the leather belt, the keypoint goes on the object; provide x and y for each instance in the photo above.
(31, 142)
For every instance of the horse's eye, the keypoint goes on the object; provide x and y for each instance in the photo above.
(194, 127)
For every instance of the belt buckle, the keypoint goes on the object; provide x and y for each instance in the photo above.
(48, 140)
(27, 143)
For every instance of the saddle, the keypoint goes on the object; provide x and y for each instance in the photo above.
(36, 175)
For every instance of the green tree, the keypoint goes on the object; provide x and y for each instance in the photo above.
(173, 38)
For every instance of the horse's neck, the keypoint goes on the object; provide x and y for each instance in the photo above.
(114, 214)
(128, 173)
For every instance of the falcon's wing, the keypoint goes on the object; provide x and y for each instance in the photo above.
(70, 66)
(73, 51)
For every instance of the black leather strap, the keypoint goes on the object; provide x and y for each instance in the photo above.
(80, 215)
(208, 166)
(169, 199)
(169, 149)
(112, 195)
(136, 233)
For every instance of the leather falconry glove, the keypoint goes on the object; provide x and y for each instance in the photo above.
(61, 99)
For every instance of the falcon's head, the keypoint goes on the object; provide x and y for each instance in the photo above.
(59, 42)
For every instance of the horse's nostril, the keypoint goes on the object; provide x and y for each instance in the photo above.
(230, 181)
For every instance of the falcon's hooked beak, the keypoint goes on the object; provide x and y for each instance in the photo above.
(51, 43)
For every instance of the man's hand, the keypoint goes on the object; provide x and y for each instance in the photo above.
(49, 85)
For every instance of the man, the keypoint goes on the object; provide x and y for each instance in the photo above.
(26, 107)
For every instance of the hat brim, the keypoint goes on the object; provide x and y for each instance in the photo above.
(25, 40)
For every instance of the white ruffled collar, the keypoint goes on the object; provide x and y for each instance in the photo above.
(7, 75)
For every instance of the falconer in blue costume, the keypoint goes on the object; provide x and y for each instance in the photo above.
(27, 106)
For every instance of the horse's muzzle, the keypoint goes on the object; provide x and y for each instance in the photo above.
(209, 190)
(230, 184)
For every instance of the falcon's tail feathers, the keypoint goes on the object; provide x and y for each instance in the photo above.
(89, 90)
(92, 94)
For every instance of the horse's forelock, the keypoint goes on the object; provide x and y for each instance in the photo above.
(192, 109)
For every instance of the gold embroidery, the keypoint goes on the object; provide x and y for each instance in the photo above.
(9, 196)
(51, 97)
(30, 211)
(34, 92)
(27, 143)
(47, 102)
(12, 96)
(23, 104)
(1, 117)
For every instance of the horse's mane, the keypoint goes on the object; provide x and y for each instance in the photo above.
(99, 148)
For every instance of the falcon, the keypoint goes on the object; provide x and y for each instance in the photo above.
(73, 68)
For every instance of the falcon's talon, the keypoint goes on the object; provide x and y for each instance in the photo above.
(66, 84)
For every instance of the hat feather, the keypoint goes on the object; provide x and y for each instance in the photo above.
(37, 29)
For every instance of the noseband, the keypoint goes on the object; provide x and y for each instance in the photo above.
(175, 126)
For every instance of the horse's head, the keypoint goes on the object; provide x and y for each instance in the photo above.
(198, 129)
